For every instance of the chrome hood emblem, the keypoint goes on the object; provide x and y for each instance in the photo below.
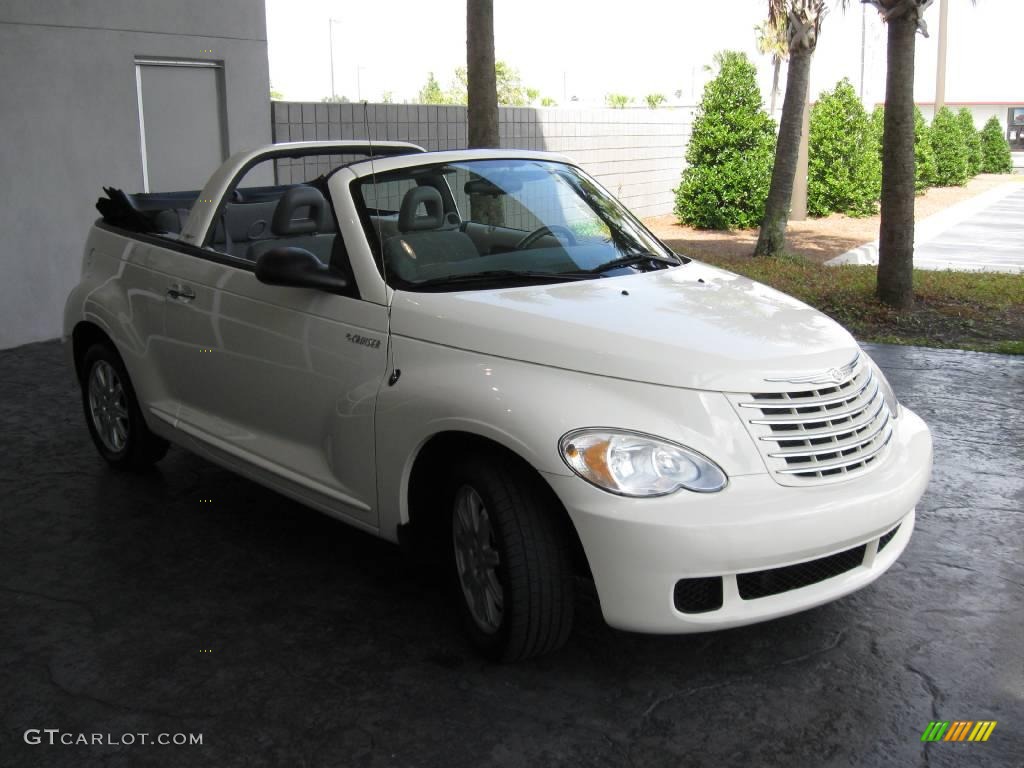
(831, 376)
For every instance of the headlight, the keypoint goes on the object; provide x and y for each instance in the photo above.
(635, 464)
(886, 389)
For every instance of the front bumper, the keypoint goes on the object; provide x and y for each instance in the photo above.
(638, 549)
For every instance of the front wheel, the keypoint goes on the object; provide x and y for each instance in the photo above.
(512, 570)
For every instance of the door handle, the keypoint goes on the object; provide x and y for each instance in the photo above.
(181, 293)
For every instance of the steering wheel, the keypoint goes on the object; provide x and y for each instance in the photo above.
(547, 229)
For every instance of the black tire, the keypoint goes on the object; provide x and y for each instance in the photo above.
(534, 567)
(139, 447)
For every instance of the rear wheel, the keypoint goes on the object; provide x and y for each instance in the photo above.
(112, 412)
(510, 561)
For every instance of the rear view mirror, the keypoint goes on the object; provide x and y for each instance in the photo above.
(485, 187)
(297, 268)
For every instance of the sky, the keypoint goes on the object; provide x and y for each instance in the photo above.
(590, 48)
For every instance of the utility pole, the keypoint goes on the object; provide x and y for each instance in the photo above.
(330, 37)
(863, 46)
(940, 75)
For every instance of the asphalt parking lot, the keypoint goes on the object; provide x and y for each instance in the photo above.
(127, 605)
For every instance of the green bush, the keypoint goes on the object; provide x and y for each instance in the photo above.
(731, 151)
(844, 170)
(995, 150)
(951, 163)
(878, 128)
(924, 155)
(972, 140)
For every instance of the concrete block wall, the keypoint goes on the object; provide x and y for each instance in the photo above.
(637, 154)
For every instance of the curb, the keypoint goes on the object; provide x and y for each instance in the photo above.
(932, 227)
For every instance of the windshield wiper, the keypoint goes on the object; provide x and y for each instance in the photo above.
(625, 261)
(491, 275)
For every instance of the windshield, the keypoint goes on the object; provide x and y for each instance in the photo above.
(474, 224)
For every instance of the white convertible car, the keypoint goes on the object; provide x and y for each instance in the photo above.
(482, 353)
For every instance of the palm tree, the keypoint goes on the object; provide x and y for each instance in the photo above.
(896, 234)
(482, 97)
(481, 78)
(772, 39)
(802, 21)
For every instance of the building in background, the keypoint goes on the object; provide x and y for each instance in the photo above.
(147, 95)
(984, 111)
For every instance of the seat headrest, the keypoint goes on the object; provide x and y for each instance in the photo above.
(284, 221)
(430, 198)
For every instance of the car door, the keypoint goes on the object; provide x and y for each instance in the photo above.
(279, 383)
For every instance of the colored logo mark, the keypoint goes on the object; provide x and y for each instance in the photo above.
(958, 730)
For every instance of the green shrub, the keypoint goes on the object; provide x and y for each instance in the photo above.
(995, 150)
(844, 170)
(972, 140)
(878, 128)
(924, 155)
(731, 151)
(951, 164)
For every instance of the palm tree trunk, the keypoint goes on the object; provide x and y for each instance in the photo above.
(775, 83)
(772, 240)
(896, 234)
(481, 88)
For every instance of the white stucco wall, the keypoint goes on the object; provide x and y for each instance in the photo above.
(70, 125)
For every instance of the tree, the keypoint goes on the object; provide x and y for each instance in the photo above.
(431, 92)
(899, 178)
(951, 157)
(547, 101)
(335, 99)
(772, 39)
(972, 140)
(482, 97)
(995, 150)
(803, 25)
(729, 157)
(617, 100)
(844, 166)
(481, 74)
(507, 83)
(275, 95)
(655, 100)
(387, 97)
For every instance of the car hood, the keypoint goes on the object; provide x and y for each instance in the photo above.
(691, 326)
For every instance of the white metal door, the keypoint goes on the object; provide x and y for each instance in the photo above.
(182, 124)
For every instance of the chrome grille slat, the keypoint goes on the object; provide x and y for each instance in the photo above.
(832, 447)
(860, 459)
(821, 430)
(804, 435)
(814, 418)
(789, 403)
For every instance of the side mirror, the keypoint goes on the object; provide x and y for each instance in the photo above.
(298, 268)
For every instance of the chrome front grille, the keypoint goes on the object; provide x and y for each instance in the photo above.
(815, 435)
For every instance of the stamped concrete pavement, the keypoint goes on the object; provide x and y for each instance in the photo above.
(287, 639)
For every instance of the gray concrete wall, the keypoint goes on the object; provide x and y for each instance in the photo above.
(637, 154)
(70, 125)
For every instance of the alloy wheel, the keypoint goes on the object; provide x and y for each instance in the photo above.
(108, 406)
(477, 560)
